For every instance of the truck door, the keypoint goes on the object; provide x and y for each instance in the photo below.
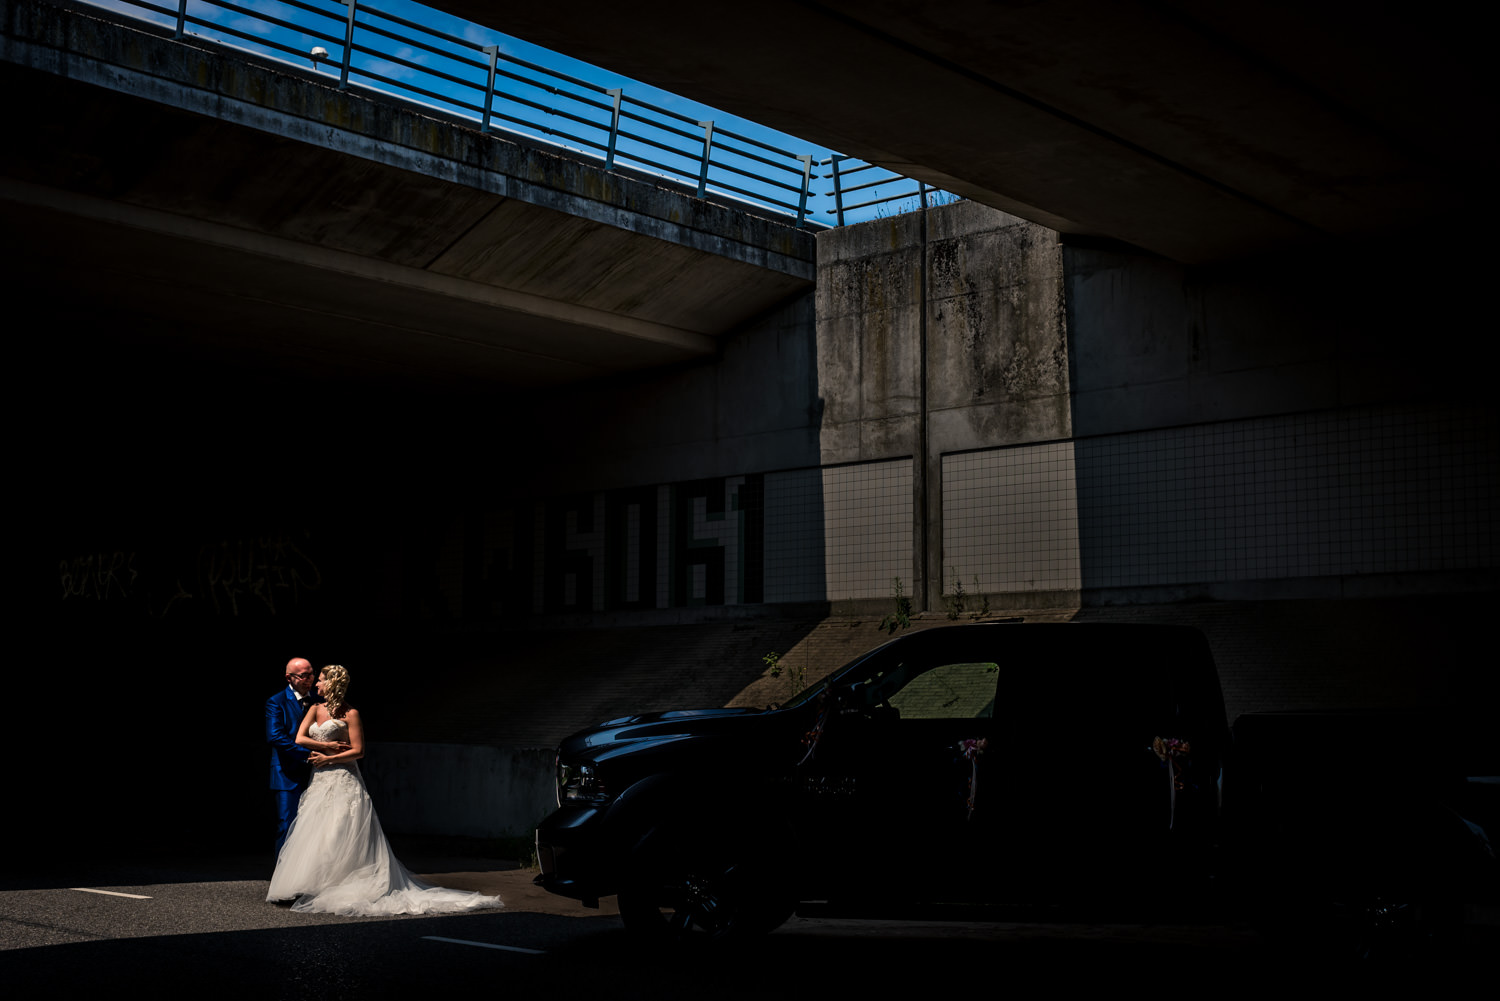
(893, 775)
(1092, 807)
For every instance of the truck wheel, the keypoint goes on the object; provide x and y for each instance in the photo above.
(700, 897)
(1392, 928)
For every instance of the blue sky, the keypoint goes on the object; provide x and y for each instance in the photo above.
(584, 101)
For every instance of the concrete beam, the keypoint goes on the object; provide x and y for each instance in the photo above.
(1199, 131)
(274, 202)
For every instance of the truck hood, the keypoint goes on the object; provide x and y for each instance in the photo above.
(621, 734)
(676, 714)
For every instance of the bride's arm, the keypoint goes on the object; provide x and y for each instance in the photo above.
(323, 746)
(307, 720)
(356, 743)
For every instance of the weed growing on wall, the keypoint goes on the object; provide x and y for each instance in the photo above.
(796, 675)
(901, 617)
(956, 601)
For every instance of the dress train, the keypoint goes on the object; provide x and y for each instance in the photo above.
(336, 859)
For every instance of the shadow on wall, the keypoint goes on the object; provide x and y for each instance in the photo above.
(1271, 429)
(690, 488)
(208, 521)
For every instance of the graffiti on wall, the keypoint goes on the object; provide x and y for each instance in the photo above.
(260, 571)
(230, 577)
(658, 546)
(99, 576)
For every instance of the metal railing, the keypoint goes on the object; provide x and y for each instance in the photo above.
(381, 51)
(878, 187)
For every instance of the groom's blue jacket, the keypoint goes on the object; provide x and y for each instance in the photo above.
(288, 760)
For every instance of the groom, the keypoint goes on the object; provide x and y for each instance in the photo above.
(284, 712)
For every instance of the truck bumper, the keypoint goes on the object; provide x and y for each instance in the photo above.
(571, 855)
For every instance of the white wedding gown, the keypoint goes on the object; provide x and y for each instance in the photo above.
(336, 860)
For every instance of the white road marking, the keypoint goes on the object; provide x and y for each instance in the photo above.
(485, 945)
(110, 893)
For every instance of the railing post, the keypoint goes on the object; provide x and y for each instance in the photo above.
(614, 127)
(926, 193)
(489, 87)
(348, 45)
(806, 180)
(708, 142)
(837, 186)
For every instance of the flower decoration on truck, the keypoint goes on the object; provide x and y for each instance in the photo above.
(1175, 755)
(970, 751)
(810, 738)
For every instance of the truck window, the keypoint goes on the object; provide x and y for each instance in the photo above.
(950, 691)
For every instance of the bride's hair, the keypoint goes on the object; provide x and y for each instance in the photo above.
(338, 686)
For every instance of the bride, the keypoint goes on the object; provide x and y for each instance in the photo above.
(336, 859)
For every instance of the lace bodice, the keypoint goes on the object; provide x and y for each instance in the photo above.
(329, 729)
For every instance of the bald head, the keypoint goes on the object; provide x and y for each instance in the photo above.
(299, 674)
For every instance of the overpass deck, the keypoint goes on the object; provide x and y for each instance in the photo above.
(335, 230)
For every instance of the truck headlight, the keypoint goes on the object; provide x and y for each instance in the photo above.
(579, 783)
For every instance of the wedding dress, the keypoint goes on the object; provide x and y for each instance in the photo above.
(336, 859)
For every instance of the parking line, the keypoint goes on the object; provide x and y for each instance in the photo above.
(110, 893)
(486, 945)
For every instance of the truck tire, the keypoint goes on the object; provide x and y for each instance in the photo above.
(701, 892)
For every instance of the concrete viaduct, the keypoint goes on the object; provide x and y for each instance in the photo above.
(322, 216)
(315, 373)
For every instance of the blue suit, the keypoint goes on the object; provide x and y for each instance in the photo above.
(289, 771)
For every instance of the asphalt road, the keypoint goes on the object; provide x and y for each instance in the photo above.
(203, 925)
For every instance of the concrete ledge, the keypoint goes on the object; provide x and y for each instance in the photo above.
(1343, 586)
(135, 60)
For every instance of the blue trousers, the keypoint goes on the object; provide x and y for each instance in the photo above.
(286, 811)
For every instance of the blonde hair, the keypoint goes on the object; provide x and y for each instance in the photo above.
(336, 689)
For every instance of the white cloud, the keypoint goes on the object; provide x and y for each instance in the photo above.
(482, 36)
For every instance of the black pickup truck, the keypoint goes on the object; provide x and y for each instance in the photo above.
(1017, 764)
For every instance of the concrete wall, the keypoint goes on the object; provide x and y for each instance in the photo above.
(461, 790)
(931, 336)
(1155, 344)
(974, 403)
(751, 408)
(1290, 427)
(938, 333)
(972, 295)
